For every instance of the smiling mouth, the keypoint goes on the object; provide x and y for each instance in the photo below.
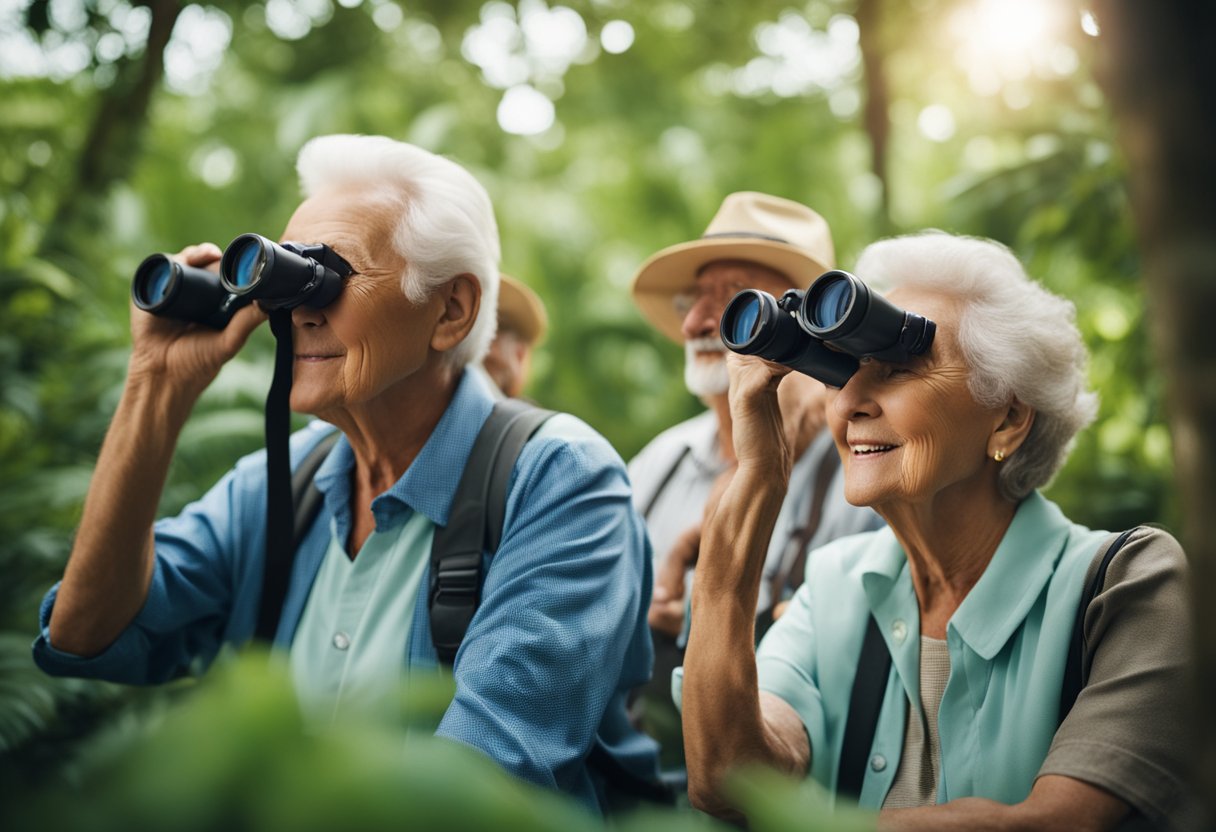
(871, 450)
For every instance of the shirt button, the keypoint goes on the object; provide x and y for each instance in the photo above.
(878, 762)
(899, 630)
(341, 640)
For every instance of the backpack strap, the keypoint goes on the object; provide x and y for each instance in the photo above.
(1075, 671)
(306, 499)
(475, 522)
(865, 704)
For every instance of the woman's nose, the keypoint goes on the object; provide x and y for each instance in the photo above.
(855, 400)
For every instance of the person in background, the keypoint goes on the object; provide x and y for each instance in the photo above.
(972, 590)
(522, 324)
(754, 241)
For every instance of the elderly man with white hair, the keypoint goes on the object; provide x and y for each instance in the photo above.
(558, 637)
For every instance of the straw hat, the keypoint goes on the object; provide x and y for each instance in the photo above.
(779, 233)
(522, 310)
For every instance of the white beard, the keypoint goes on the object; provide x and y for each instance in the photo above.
(702, 376)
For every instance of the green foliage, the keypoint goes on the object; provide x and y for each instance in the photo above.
(236, 754)
(644, 146)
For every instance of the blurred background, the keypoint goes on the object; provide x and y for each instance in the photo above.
(604, 130)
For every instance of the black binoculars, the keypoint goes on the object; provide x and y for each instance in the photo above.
(276, 275)
(837, 310)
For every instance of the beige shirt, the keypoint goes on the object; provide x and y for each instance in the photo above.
(920, 764)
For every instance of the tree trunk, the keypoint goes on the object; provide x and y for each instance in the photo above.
(1156, 68)
(875, 119)
(110, 149)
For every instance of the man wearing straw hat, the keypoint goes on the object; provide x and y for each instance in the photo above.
(522, 323)
(755, 241)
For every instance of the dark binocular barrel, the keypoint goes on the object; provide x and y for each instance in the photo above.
(755, 324)
(276, 276)
(840, 309)
(171, 289)
(753, 321)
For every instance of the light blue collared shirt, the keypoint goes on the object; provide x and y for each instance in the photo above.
(1008, 641)
(559, 639)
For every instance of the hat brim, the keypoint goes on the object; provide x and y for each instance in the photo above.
(522, 309)
(674, 270)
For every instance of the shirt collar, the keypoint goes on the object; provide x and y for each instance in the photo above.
(1023, 564)
(1011, 584)
(429, 484)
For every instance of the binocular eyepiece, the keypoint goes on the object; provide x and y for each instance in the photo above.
(837, 310)
(276, 275)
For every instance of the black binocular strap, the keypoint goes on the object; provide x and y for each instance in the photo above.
(475, 522)
(865, 704)
(279, 508)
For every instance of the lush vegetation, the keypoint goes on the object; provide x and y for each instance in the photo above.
(604, 130)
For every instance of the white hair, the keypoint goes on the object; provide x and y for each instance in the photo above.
(1018, 339)
(446, 227)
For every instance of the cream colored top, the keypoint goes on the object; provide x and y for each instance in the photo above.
(920, 765)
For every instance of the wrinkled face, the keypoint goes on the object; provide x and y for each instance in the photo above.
(371, 337)
(702, 307)
(911, 432)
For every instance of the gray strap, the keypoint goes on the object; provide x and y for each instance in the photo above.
(304, 492)
(475, 522)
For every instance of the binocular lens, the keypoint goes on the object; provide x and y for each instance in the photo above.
(282, 275)
(153, 285)
(170, 289)
(248, 264)
(746, 317)
(831, 302)
(837, 310)
(842, 311)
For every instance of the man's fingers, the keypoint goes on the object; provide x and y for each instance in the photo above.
(244, 322)
(667, 617)
(203, 254)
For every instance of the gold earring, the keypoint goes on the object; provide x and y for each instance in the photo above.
(999, 456)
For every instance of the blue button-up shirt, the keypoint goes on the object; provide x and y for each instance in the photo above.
(559, 639)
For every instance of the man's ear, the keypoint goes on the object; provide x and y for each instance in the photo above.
(1013, 429)
(461, 300)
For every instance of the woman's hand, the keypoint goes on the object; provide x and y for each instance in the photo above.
(803, 403)
(182, 354)
(775, 412)
(756, 420)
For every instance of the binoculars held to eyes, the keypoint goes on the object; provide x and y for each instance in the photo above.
(837, 310)
(276, 275)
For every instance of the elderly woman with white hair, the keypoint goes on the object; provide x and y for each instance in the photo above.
(554, 633)
(926, 663)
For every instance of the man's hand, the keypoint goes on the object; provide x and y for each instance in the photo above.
(803, 402)
(184, 354)
(666, 613)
